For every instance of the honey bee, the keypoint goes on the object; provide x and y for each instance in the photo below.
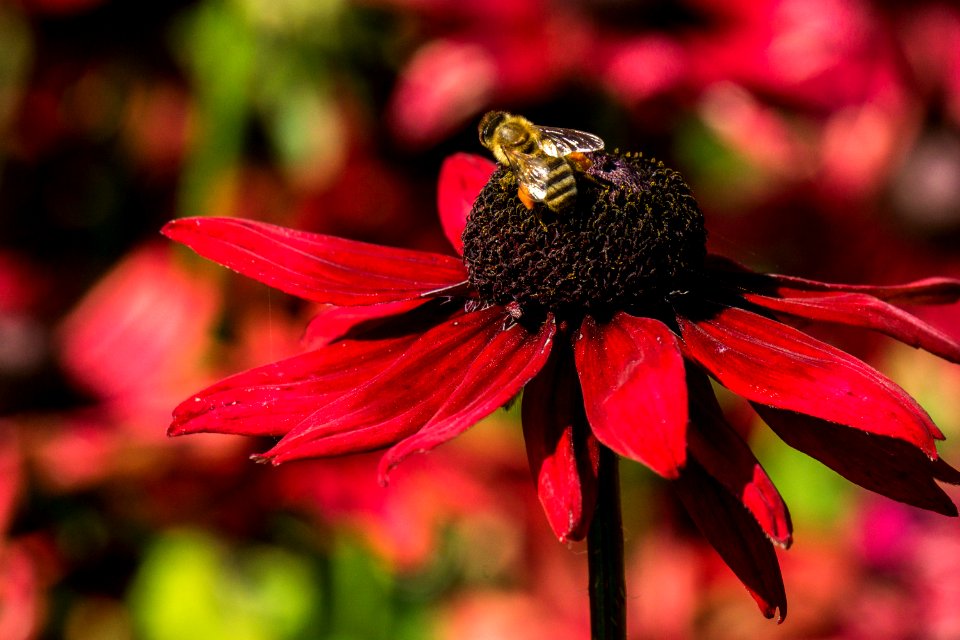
(542, 158)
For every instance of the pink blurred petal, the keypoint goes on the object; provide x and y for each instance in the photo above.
(929, 35)
(446, 83)
(725, 456)
(865, 311)
(142, 326)
(773, 364)
(462, 176)
(317, 267)
(822, 54)
(888, 466)
(860, 145)
(11, 480)
(510, 615)
(509, 360)
(754, 129)
(451, 80)
(736, 536)
(665, 582)
(21, 599)
(634, 389)
(563, 456)
(641, 67)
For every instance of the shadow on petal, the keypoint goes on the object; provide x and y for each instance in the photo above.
(564, 454)
(725, 456)
(736, 536)
(888, 466)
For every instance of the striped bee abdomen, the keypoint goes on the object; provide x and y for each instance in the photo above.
(561, 191)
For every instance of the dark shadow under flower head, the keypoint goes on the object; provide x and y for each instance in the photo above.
(613, 319)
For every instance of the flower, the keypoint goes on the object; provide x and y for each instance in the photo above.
(613, 318)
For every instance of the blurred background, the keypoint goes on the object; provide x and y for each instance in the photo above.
(822, 138)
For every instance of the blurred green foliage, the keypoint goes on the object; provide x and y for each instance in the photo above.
(817, 496)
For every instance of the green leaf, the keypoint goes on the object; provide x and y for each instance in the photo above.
(193, 586)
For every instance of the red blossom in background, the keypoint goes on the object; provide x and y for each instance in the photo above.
(400, 523)
(411, 381)
(118, 319)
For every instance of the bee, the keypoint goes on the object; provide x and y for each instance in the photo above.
(542, 158)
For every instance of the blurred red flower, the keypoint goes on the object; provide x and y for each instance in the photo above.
(133, 343)
(400, 524)
(140, 330)
(419, 377)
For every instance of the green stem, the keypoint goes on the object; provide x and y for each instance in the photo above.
(608, 616)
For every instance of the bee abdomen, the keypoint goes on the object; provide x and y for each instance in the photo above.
(561, 191)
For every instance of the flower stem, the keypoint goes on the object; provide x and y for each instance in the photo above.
(608, 616)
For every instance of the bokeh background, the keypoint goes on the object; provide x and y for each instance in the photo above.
(822, 138)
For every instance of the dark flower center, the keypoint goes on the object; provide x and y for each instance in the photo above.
(635, 234)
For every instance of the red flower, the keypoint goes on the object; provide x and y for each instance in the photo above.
(613, 321)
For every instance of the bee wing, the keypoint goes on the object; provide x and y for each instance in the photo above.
(532, 172)
(558, 142)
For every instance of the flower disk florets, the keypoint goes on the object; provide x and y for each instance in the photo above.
(635, 234)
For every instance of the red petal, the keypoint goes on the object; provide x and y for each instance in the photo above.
(564, 455)
(862, 310)
(634, 390)
(925, 291)
(735, 535)
(509, 360)
(398, 401)
(462, 176)
(773, 364)
(725, 456)
(944, 472)
(317, 267)
(889, 466)
(332, 322)
(272, 399)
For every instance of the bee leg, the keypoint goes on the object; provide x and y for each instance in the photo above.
(525, 197)
(543, 225)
